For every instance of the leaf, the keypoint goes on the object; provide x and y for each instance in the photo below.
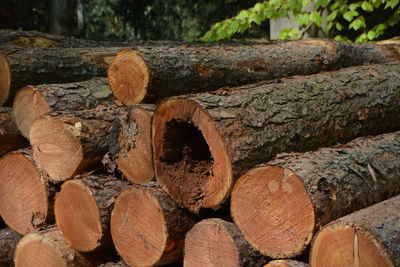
(367, 6)
(371, 35)
(349, 15)
(357, 24)
(354, 6)
(339, 26)
(316, 17)
(332, 16)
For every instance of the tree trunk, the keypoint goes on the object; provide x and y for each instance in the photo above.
(368, 237)
(8, 242)
(10, 137)
(66, 143)
(299, 193)
(203, 142)
(33, 101)
(90, 199)
(26, 193)
(153, 236)
(286, 263)
(47, 248)
(146, 74)
(130, 144)
(215, 242)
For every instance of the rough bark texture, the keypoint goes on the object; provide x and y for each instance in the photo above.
(33, 101)
(130, 144)
(87, 132)
(103, 189)
(199, 253)
(10, 137)
(286, 263)
(27, 194)
(8, 242)
(114, 264)
(255, 122)
(380, 224)
(185, 69)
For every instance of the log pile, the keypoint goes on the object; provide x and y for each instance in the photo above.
(306, 159)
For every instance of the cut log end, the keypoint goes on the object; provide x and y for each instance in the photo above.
(5, 79)
(23, 195)
(55, 146)
(272, 209)
(28, 105)
(128, 76)
(139, 237)
(83, 229)
(135, 161)
(209, 243)
(190, 157)
(343, 244)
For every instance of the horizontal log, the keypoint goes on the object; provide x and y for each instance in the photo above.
(215, 242)
(202, 142)
(286, 263)
(33, 101)
(299, 193)
(26, 193)
(146, 74)
(65, 143)
(89, 198)
(368, 237)
(8, 242)
(10, 137)
(155, 235)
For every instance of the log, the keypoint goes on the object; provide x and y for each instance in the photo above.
(90, 199)
(153, 236)
(5, 79)
(10, 137)
(215, 242)
(212, 138)
(8, 242)
(33, 101)
(114, 264)
(64, 143)
(130, 144)
(146, 74)
(368, 237)
(26, 193)
(47, 248)
(299, 193)
(286, 263)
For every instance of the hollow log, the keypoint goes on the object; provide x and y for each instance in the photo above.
(202, 142)
(8, 242)
(47, 248)
(65, 143)
(33, 101)
(368, 237)
(286, 263)
(147, 227)
(215, 242)
(26, 193)
(299, 193)
(90, 199)
(10, 137)
(147, 74)
(130, 144)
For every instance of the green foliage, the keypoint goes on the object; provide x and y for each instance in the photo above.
(345, 20)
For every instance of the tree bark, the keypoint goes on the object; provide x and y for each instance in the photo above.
(146, 74)
(299, 193)
(90, 198)
(5, 79)
(155, 235)
(26, 193)
(8, 242)
(212, 138)
(130, 144)
(368, 237)
(10, 137)
(65, 143)
(114, 264)
(215, 242)
(286, 263)
(33, 101)
(47, 248)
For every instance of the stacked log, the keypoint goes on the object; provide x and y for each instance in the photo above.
(10, 137)
(286, 263)
(5, 79)
(368, 237)
(8, 242)
(202, 142)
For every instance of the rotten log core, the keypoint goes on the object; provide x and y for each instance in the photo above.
(90, 199)
(368, 237)
(5, 79)
(26, 195)
(147, 227)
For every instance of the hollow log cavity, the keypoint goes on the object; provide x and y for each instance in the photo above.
(5, 79)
